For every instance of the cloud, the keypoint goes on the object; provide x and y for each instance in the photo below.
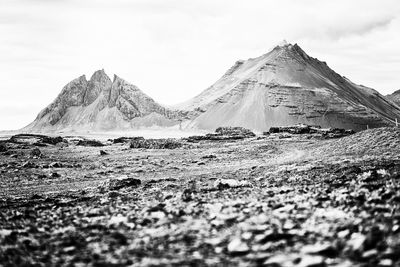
(173, 49)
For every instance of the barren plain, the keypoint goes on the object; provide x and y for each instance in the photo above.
(274, 200)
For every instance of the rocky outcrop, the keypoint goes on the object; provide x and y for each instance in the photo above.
(308, 129)
(223, 134)
(286, 87)
(141, 142)
(102, 104)
(394, 97)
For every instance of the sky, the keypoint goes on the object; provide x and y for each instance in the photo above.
(174, 49)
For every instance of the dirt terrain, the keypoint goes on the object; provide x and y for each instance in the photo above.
(276, 200)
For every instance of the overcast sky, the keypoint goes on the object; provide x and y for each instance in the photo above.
(174, 49)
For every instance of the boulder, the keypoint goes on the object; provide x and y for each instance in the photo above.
(36, 139)
(311, 129)
(223, 134)
(119, 183)
(3, 147)
(36, 152)
(155, 143)
(86, 142)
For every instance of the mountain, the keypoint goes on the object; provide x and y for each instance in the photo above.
(394, 97)
(285, 87)
(100, 104)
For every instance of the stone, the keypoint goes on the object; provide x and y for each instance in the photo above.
(103, 153)
(55, 175)
(237, 246)
(36, 152)
(229, 183)
(3, 147)
(223, 134)
(209, 157)
(312, 261)
(369, 254)
(154, 143)
(86, 142)
(55, 165)
(356, 241)
(119, 183)
(385, 262)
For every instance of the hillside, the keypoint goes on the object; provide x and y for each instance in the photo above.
(100, 104)
(285, 87)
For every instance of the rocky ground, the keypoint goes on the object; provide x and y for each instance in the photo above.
(275, 200)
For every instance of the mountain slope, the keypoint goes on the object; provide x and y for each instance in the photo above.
(102, 104)
(394, 97)
(284, 87)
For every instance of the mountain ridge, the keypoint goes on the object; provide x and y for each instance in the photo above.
(286, 86)
(102, 104)
(283, 87)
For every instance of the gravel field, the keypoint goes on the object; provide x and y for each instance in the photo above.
(275, 200)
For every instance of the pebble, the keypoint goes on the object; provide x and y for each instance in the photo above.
(237, 246)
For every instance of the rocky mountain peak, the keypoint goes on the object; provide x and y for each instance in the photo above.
(100, 76)
(102, 104)
(394, 97)
(99, 82)
(293, 51)
(286, 86)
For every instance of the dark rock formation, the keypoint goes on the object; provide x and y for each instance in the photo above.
(3, 147)
(86, 142)
(223, 134)
(154, 143)
(36, 139)
(117, 184)
(307, 129)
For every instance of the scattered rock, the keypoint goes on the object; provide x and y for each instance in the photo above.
(53, 140)
(55, 165)
(369, 254)
(385, 262)
(55, 175)
(155, 143)
(324, 249)
(125, 140)
(209, 157)
(28, 164)
(312, 261)
(238, 247)
(119, 183)
(356, 241)
(36, 152)
(36, 139)
(223, 134)
(308, 129)
(3, 147)
(235, 131)
(229, 183)
(86, 142)
(187, 195)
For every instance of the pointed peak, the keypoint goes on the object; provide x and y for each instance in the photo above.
(293, 49)
(82, 78)
(99, 75)
(117, 78)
